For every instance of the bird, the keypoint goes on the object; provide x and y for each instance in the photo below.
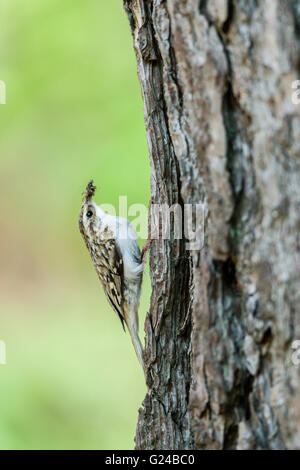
(119, 263)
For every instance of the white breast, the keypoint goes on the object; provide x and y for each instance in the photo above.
(126, 237)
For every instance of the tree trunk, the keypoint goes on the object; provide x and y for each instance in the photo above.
(222, 130)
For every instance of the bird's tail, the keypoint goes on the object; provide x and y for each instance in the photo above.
(132, 322)
(136, 343)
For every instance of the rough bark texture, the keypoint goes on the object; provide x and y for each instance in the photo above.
(216, 79)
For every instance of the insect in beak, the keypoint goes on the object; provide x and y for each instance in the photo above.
(89, 191)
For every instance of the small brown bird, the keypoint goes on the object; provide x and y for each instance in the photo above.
(112, 243)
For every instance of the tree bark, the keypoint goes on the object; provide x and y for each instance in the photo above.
(222, 130)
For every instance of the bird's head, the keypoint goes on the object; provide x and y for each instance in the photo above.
(89, 217)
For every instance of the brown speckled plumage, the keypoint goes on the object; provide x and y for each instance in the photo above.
(121, 283)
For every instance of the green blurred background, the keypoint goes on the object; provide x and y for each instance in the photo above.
(74, 111)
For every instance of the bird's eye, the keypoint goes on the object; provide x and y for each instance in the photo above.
(89, 214)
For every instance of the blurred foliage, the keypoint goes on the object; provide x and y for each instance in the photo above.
(73, 112)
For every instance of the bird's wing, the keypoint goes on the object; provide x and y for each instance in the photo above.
(109, 265)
